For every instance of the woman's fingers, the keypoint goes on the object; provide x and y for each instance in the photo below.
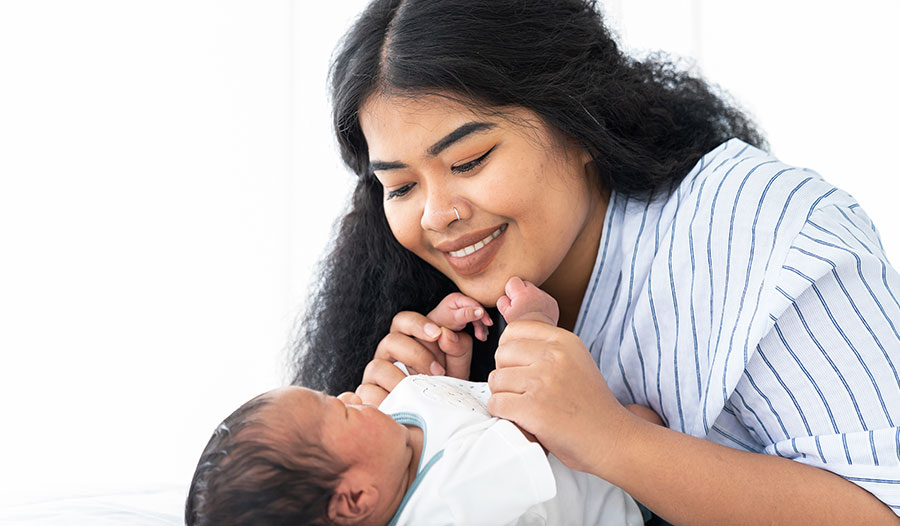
(350, 398)
(433, 345)
(511, 380)
(529, 329)
(371, 394)
(459, 366)
(525, 342)
(454, 343)
(457, 348)
(548, 384)
(383, 374)
(398, 347)
(415, 325)
(509, 406)
(481, 332)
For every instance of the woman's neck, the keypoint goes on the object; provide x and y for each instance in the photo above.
(569, 281)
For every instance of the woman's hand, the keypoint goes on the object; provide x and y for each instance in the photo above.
(548, 384)
(431, 344)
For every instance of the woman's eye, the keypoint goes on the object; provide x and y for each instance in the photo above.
(400, 192)
(471, 165)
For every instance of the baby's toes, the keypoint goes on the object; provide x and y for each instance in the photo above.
(503, 305)
(514, 287)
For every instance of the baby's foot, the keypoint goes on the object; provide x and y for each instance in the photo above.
(524, 301)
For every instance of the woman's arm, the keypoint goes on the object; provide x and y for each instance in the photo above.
(547, 383)
(645, 413)
(688, 480)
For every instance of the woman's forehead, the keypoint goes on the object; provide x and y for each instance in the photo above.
(413, 123)
(428, 113)
(424, 102)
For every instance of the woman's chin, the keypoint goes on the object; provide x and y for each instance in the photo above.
(486, 296)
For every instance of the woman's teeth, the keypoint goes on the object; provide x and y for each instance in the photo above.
(479, 245)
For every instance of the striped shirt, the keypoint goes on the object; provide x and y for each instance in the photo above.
(754, 307)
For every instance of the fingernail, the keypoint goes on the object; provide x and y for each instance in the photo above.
(436, 369)
(432, 330)
(479, 313)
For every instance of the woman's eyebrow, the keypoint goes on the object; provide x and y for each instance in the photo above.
(380, 166)
(441, 145)
(457, 134)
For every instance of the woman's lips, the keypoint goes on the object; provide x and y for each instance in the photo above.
(480, 253)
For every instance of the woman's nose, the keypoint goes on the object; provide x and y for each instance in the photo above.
(441, 210)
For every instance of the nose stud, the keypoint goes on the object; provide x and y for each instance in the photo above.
(458, 218)
(455, 211)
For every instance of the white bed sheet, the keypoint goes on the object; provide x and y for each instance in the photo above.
(152, 506)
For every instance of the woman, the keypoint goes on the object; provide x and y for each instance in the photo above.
(747, 302)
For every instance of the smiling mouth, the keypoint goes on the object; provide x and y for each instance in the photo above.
(475, 247)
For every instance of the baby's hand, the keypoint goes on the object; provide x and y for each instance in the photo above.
(458, 310)
(451, 348)
(524, 301)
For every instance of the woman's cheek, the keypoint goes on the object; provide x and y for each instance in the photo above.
(406, 227)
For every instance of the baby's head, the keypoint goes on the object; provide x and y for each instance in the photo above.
(297, 456)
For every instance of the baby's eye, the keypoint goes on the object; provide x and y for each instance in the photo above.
(400, 192)
(471, 165)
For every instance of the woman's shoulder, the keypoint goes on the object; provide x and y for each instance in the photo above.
(737, 186)
(737, 175)
(735, 216)
(732, 191)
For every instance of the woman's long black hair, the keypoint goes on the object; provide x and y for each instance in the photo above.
(644, 122)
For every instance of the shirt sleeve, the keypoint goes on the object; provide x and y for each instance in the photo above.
(497, 474)
(823, 386)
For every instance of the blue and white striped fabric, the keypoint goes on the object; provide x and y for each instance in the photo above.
(754, 307)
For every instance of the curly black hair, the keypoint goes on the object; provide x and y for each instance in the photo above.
(645, 123)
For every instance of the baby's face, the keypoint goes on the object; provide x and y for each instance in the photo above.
(359, 436)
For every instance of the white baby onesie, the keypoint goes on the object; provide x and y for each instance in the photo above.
(477, 469)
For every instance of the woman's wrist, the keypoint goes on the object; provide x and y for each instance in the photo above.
(609, 457)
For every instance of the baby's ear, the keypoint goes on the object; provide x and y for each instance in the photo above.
(352, 505)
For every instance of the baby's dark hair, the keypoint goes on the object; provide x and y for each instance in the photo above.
(249, 475)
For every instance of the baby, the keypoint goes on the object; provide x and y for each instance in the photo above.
(429, 454)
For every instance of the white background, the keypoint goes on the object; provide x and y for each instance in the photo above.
(168, 180)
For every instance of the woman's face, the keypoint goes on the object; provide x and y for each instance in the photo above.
(526, 207)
